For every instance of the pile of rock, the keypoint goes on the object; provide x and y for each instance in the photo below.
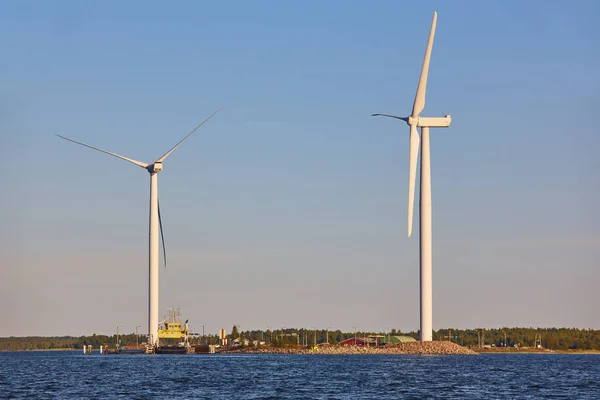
(267, 350)
(401, 348)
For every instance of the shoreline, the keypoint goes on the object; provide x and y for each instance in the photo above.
(56, 349)
(535, 351)
(412, 348)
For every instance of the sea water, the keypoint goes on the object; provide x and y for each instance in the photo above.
(72, 375)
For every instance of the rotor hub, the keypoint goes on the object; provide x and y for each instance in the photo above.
(154, 168)
(412, 121)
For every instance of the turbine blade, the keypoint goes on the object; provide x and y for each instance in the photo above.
(139, 163)
(388, 115)
(187, 136)
(162, 236)
(412, 173)
(419, 103)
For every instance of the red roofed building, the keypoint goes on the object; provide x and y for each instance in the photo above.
(355, 342)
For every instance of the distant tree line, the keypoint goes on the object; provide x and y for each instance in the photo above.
(549, 338)
(15, 343)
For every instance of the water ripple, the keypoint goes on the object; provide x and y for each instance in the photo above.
(71, 375)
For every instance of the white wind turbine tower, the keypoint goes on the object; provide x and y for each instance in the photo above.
(414, 121)
(155, 221)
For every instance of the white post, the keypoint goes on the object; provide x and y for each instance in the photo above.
(425, 242)
(84, 348)
(100, 349)
(153, 261)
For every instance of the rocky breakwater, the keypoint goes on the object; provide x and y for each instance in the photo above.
(436, 347)
(401, 348)
(268, 350)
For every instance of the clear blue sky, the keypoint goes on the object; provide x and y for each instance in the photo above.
(289, 207)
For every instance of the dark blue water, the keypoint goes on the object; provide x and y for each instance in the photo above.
(71, 375)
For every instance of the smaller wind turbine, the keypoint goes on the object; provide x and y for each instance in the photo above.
(414, 121)
(155, 221)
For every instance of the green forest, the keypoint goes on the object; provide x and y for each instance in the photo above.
(548, 338)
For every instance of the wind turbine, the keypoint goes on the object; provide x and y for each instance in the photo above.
(414, 121)
(155, 221)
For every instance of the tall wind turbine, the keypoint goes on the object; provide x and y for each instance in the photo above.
(414, 121)
(155, 221)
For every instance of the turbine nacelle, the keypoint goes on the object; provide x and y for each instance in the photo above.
(154, 168)
(431, 122)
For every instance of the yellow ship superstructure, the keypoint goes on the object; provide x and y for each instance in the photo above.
(172, 328)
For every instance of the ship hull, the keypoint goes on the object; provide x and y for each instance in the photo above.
(174, 350)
